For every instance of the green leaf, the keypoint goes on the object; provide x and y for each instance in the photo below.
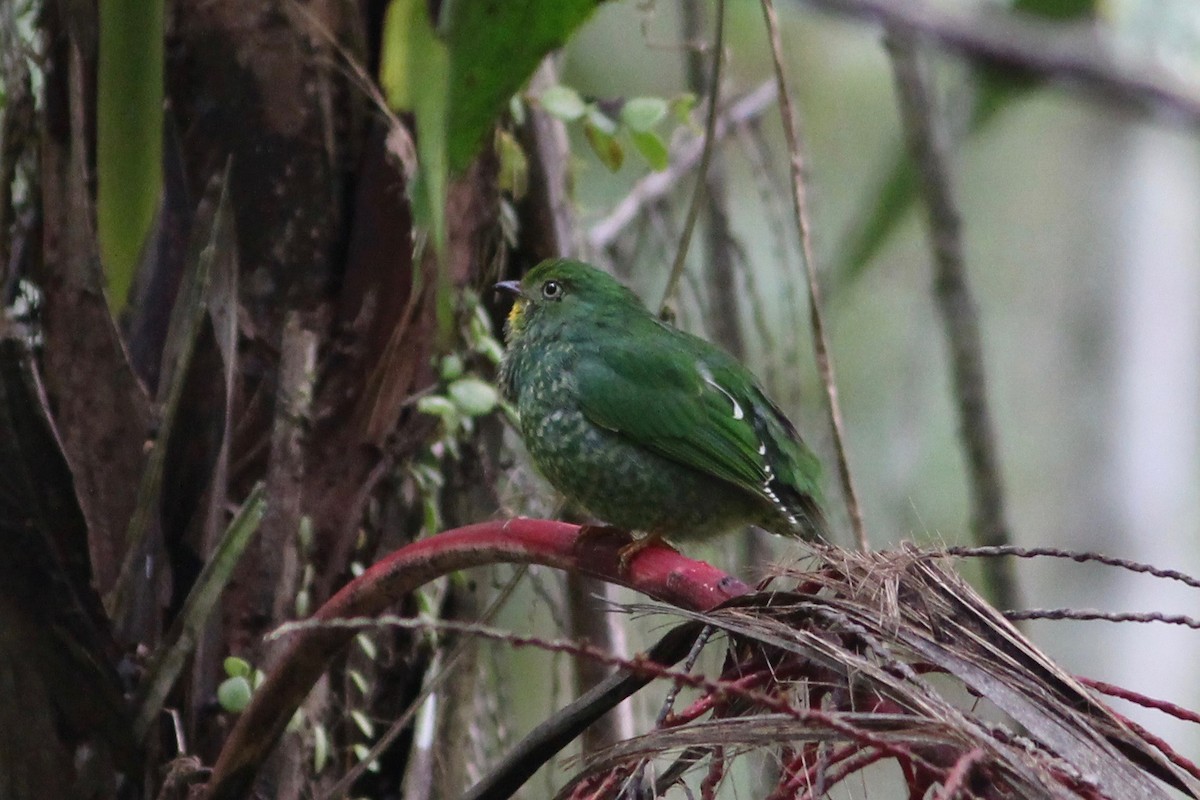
(438, 406)
(643, 113)
(1057, 9)
(129, 125)
(480, 325)
(491, 349)
(600, 120)
(605, 145)
(367, 645)
(681, 107)
(516, 109)
(563, 102)
(395, 54)
(415, 74)
(304, 535)
(513, 175)
(362, 752)
(303, 603)
(235, 667)
(494, 49)
(452, 367)
(234, 694)
(652, 148)
(364, 724)
(320, 748)
(428, 476)
(473, 397)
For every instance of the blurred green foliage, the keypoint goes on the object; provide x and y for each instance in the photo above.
(995, 91)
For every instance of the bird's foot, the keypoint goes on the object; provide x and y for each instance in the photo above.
(629, 551)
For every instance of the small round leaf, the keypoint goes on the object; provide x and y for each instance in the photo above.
(235, 667)
(563, 102)
(643, 113)
(607, 148)
(234, 694)
(682, 105)
(438, 406)
(474, 397)
(452, 367)
(513, 176)
(598, 119)
(491, 349)
(652, 148)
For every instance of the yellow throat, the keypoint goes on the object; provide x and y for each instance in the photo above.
(516, 315)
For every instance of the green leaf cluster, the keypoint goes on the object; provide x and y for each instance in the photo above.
(457, 73)
(603, 121)
(242, 679)
(462, 396)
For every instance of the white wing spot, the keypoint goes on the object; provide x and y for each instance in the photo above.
(708, 378)
(774, 498)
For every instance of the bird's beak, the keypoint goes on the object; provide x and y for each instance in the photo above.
(509, 287)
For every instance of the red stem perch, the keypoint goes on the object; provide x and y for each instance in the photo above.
(657, 571)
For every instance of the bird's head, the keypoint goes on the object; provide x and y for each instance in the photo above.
(557, 291)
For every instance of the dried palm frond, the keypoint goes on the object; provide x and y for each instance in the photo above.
(885, 656)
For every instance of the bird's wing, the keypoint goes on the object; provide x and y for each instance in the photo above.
(671, 401)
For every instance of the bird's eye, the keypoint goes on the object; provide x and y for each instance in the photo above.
(552, 290)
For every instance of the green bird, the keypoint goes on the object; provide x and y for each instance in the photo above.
(647, 427)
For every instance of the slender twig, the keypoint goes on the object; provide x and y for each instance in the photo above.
(710, 127)
(1079, 53)
(684, 158)
(960, 319)
(820, 340)
(719, 260)
(1077, 556)
(1165, 706)
(1089, 615)
(1162, 745)
(551, 153)
(775, 202)
(838, 722)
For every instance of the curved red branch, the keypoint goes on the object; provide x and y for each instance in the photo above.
(657, 571)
